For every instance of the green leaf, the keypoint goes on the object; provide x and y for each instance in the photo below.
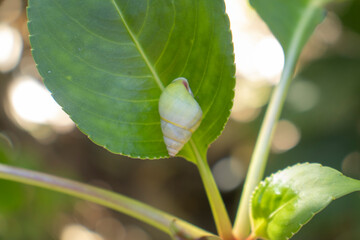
(287, 200)
(107, 61)
(291, 21)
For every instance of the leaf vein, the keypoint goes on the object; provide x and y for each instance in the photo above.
(102, 116)
(145, 19)
(194, 37)
(91, 65)
(104, 95)
(139, 47)
(88, 30)
(170, 34)
(214, 122)
(207, 60)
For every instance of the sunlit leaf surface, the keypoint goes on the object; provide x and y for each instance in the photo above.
(287, 200)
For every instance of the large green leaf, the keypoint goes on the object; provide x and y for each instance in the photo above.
(287, 200)
(107, 61)
(291, 21)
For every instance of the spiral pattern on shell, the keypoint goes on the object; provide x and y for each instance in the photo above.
(180, 115)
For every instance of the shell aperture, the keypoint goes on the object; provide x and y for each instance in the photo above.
(180, 115)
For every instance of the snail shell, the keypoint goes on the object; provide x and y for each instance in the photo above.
(180, 115)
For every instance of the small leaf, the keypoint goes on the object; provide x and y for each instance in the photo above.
(291, 21)
(287, 200)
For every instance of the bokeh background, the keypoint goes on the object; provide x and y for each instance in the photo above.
(320, 123)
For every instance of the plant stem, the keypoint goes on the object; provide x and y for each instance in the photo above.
(251, 237)
(262, 146)
(136, 209)
(259, 157)
(222, 220)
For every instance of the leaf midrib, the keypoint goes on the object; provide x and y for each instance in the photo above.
(139, 47)
(142, 53)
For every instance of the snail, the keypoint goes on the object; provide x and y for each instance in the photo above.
(180, 115)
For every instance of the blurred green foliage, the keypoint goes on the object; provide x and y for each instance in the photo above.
(27, 212)
(350, 18)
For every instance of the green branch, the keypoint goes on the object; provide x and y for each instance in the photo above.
(259, 158)
(128, 206)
